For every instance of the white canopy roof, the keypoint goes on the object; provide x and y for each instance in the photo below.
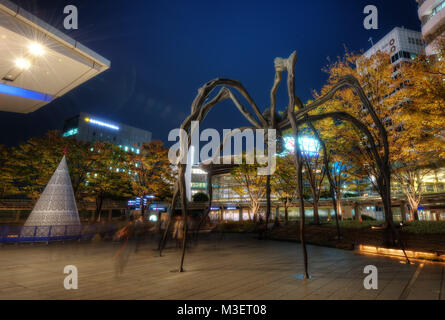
(30, 79)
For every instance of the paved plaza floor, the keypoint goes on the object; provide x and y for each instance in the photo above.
(233, 267)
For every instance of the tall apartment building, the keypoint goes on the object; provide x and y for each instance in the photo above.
(432, 15)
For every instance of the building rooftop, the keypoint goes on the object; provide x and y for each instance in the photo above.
(390, 42)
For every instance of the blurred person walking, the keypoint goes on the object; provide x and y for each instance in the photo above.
(123, 253)
(139, 232)
(178, 231)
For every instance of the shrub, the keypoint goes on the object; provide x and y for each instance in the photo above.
(200, 197)
(425, 227)
(367, 218)
(353, 224)
(236, 226)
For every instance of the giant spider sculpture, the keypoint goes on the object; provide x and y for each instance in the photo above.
(294, 119)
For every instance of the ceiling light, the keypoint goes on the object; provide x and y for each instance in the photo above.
(22, 64)
(36, 49)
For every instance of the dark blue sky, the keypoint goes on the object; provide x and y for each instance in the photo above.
(163, 51)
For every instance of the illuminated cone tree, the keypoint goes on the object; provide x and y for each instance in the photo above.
(56, 205)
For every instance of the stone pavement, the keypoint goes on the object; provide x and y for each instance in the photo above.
(236, 267)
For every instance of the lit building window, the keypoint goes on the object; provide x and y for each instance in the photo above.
(198, 171)
(71, 132)
(438, 8)
(308, 145)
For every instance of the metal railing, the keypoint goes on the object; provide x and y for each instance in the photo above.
(15, 234)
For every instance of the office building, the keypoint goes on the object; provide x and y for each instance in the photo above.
(89, 128)
(402, 44)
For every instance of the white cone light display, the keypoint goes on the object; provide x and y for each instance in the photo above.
(56, 207)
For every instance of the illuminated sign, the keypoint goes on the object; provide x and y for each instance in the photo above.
(71, 132)
(24, 93)
(137, 202)
(157, 208)
(102, 124)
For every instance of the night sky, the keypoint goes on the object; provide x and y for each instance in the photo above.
(161, 52)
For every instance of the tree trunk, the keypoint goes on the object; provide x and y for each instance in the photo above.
(142, 206)
(415, 214)
(403, 211)
(277, 216)
(338, 202)
(316, 215)
(356, 211)
(99, 210)
(99, 202)
(163, 240)
(286, 214)
(255, 209)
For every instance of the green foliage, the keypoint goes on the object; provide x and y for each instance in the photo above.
(7, 186)
(200, 197)
(109, 173)
(249, 183)
(236, 227)
(353, 224)
(33, 162)
(367, 218)
(283, 181)
(151, 171)
(425, 227)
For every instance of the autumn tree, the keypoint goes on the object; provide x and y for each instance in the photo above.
(151, 171)
(249, 183)
(420, 143)
(7, 186)
(34, 161)
(284, 184)
(315, 172)
(109, 176)
(389, 89)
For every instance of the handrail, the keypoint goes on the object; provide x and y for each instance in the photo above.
(17, 234)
